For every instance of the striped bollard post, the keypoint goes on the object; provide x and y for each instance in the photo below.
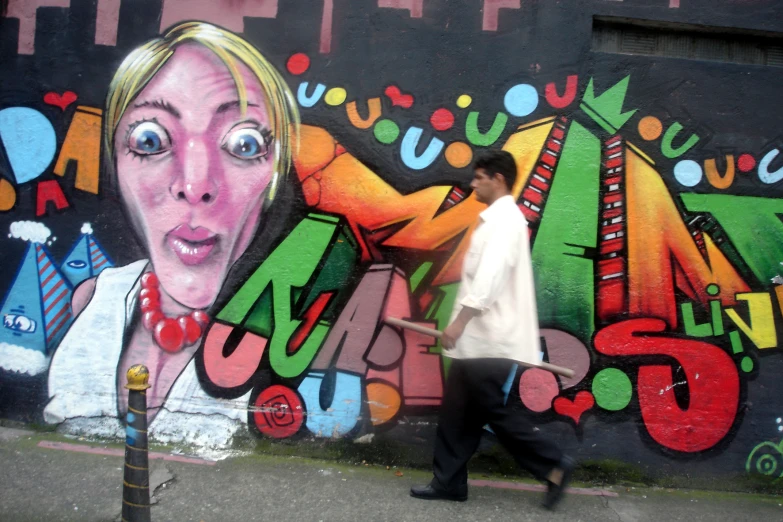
(136, 482)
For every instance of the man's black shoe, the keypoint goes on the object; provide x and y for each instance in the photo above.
(555, 492)
(427, 492)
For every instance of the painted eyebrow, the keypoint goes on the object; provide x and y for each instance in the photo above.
(232, 104)
(160, 104)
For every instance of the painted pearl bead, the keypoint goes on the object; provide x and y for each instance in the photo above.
(200, 317)
(191, 329)
(169, 335)
(152, 293)
(150, 318)
(148, 304)
(149, 280)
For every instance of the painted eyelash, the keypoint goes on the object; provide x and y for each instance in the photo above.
(266, 134)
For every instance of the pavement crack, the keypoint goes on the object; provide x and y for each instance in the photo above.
(160, 478)
(608, 504)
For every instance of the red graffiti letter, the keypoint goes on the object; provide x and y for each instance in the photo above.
(49, 191)
(710, 378)
(560, 102)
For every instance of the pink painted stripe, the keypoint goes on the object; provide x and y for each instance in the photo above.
(538, 487)
(326, 27)
(115, 452)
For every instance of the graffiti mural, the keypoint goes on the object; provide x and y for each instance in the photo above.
(242, 211)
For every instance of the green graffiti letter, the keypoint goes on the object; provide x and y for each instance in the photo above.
(564, 273)
(752, 224)
(289, 269)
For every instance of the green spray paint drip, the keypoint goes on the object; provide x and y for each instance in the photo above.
(564, 276)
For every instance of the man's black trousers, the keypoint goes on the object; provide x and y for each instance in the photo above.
(474, 397)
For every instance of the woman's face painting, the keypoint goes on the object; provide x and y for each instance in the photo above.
(193, 171)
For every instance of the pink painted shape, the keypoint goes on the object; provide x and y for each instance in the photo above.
(491, 8)
(537, 388)
(25, 11)
(237, 368)
(422, 381)
(387, 348)
(398, 300)
(416, 7)
(107, 20)
(326, 27)
(563, 349)
(674, 4)
(390, 376)
(115, 452)
(225, 13)
(539, 487)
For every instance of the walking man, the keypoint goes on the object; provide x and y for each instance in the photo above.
(494, 323)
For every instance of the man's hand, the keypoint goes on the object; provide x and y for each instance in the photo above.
(451, 334)
(454, 331)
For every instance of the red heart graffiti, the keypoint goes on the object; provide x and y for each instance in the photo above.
(397, 98)
(582, 402)
(61, 101)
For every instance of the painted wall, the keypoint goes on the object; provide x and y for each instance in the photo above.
(652, 187)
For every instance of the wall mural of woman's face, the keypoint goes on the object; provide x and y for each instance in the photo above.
(193, 170)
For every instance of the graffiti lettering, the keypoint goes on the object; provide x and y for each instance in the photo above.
(710, 376)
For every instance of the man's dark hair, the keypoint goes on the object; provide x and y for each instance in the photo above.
(497, 162)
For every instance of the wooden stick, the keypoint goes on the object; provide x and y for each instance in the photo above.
(558, 370)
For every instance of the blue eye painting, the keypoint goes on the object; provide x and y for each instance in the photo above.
(149, 142)
(246, 144)
(19, 323)
(148, 138)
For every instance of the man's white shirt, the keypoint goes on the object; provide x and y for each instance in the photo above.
(497, 280)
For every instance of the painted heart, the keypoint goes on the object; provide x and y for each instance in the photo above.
(61, 101)
(582, 402)
(397, 98)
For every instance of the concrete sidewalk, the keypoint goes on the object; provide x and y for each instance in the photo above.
(44, 477)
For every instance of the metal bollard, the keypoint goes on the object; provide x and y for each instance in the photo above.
(136, 482)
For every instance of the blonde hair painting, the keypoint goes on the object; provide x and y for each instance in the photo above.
(143, 63)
